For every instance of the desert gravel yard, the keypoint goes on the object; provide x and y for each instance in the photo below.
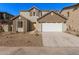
(20, 40)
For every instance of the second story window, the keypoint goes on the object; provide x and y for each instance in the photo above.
(32, 13)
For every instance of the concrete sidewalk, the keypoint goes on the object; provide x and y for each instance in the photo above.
(38, 51)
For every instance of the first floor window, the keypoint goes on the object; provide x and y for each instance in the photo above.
(20, 24)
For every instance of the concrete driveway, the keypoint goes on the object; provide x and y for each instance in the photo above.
(60, 39)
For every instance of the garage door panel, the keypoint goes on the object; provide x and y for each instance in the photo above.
(49, 27)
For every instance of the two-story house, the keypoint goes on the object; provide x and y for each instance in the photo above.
(28, 21)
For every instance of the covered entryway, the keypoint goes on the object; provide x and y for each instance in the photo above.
(50, 27)
(20, 26)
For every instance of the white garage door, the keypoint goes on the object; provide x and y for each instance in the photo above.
(49, 27)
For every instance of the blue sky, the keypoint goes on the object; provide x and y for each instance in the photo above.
(14, 8)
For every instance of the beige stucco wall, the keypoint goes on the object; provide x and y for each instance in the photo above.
(73, 21)
(64, 27)
(38, 26)
(26, 14)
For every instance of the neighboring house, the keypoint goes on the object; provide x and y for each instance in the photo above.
(4, 21)
(67, 11)
(28, 20)
(52, 22)
(73, 17)
(73, 21)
